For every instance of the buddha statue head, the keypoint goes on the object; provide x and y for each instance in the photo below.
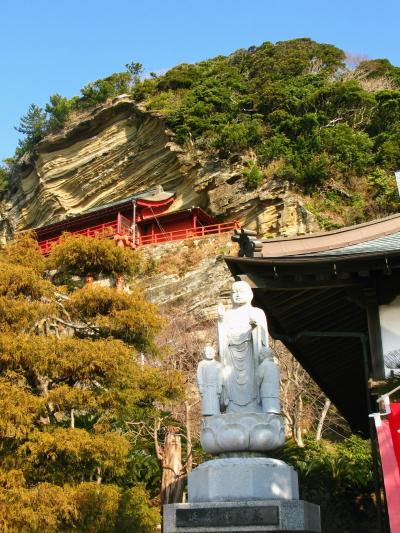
(241, 293)
(209, 352)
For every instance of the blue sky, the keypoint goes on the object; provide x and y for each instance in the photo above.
(49, 46)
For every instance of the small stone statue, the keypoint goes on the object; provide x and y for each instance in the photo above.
(268, 383)
(209, 380)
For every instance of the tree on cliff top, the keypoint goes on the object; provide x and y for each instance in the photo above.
(33, 125)
(71, 390)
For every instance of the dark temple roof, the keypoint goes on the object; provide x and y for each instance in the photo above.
(321, 295)
(203, 218)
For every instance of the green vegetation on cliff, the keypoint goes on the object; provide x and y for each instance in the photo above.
(298, 113)
(292, 110)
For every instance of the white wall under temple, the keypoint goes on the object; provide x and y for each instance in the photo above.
(389, 316)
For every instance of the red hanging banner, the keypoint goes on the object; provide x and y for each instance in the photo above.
(394, 423)
(391, 473)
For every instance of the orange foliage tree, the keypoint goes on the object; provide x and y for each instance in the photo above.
(71, 387)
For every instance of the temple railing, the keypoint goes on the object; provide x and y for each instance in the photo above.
(101, 231)
(122, 226)
(181, 234)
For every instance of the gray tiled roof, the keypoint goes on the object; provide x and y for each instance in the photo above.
(389, 243)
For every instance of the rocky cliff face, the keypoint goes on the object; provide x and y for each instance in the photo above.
(190, 277)
(119, 149)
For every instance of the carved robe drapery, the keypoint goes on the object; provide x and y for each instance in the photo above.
(242, 335)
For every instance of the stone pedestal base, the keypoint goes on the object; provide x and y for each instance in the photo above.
(242, 479)
(242, 517)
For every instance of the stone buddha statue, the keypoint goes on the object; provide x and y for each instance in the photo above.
(242, 341)
(245, 382)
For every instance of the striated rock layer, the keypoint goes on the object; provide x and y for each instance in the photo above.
(120, 149)
(189, 276)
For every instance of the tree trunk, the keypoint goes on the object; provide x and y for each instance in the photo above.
(322, 418)
(298, 433)
(119, 282)
(88, 279)
(172, 481)
(189, 448)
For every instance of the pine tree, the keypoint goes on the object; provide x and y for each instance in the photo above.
(59, 110)
(135, 69)
(71, 389)
(33, 125)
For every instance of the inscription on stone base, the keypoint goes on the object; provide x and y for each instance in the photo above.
(287, 516)
(226, 516)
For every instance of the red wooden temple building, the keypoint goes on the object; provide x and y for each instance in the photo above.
(136, 221)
